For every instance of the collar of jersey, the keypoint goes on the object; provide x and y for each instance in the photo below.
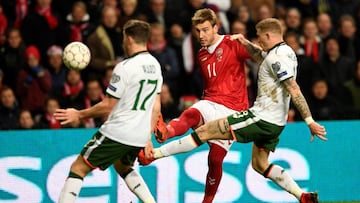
(276, 45)
(137, 53)
(212, 48)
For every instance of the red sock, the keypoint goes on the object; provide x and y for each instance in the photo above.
(215, 160)
(190, 118)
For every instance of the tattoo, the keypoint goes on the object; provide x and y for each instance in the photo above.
(254, 51)
(297, 97)
(223, 126)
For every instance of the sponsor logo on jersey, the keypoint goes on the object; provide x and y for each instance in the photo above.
(279, 75)
(115, 78)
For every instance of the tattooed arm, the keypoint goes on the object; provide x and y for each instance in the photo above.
(300, 103)
(254, 50)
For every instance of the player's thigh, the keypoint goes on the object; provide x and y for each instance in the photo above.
(216, 129)
(246, 127)
(101, 152)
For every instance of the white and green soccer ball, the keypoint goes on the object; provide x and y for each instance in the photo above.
(76, 55)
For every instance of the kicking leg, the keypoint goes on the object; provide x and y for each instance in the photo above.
(190, 118)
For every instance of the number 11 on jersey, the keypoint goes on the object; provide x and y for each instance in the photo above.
(211, 70)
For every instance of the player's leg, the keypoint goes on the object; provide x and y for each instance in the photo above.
(216, 157)
(134, 182)
(71, 189)
(213, 130)
(190, 118)
(274, 172)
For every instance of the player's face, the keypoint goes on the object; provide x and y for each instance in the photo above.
(263, 40)
(206, 33)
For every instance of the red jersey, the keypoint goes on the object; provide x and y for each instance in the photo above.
(223, 74)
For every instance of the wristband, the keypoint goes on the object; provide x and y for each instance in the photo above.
(309, 120)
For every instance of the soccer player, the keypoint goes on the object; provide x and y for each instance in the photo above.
(133, 102)
(221, 62)
(262, 123)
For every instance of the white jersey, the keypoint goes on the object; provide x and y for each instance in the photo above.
(135, 82)
(273, 100)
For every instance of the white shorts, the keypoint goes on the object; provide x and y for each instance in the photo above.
(211, 111)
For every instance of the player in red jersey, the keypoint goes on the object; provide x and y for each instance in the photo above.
(222, 67)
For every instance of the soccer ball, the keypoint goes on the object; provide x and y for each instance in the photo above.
(76, 56)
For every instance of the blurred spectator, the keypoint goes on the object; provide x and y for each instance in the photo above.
(129, 10)
(264, 11)
(105, 45)
(347, 41)
(42, 27)
(106, 79)
(223, 7)
(322, 105)
(34, 82)
(47, 119)
(21, 10)
(73, 90)
(9, 109)
(3, 27)
(13, 57)
(158, 13)
(325, 25)
(57, 70)
(186, 101)
(306, 7)
(306, 65)
(336, 69)
(243, 14)
(353, 86)
(238, 27)
(293, 20)
(192, 80)
(26, 121)
(169, 106)
(310, 40)
(94, 94)
(166, 55)
(187, 13)
(255, 4)
(95, 8)
(175, 40)
(79, 26)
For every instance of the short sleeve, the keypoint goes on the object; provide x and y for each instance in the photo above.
(282, 66)
(117, 82)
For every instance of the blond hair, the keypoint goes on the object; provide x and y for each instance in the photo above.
(269, 25)
(203, 15)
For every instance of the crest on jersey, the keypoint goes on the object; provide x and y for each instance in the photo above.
(276, 66)
(219, 53)
(115, 78)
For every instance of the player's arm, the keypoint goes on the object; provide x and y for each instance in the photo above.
(300, 103)
(254, 50)
(71, 115)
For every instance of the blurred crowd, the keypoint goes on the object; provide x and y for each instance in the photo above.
(325, 35)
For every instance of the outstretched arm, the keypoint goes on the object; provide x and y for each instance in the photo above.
(300, 103)
(254, 50)
(71, 115)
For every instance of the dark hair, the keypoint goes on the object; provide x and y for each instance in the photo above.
(137, 29)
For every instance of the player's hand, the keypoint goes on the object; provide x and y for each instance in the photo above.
(240, 38)
(148, 150)
(67, 116)
(317, 130)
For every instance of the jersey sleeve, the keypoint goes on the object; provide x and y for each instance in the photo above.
(242, 53)
(117, 83)
(281, 66)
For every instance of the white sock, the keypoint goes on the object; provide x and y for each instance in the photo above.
(182, 145)
(71, 190)
(283, 179)
(137, 185)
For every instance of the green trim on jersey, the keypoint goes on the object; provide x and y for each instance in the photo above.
(102, 152)
(249, 128)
